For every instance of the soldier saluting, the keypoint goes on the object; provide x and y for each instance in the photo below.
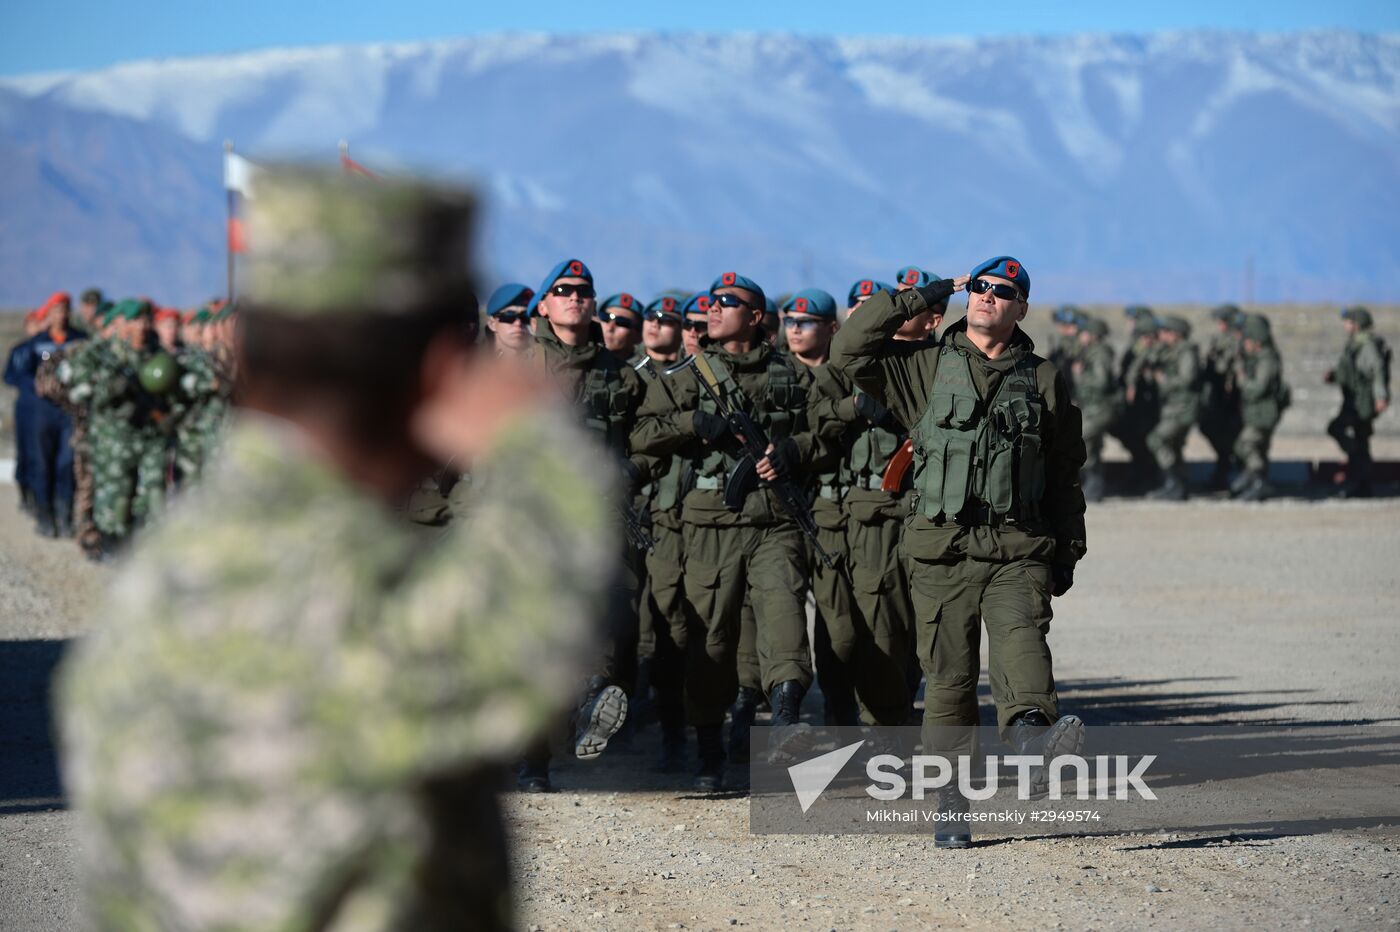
(998, 515)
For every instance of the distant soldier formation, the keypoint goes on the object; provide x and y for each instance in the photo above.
(116, 411)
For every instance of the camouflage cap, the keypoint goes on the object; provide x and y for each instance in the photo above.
(322, 242)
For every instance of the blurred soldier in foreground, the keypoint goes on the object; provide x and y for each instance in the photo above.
(1264, 396)
(989, 545)
(294, 710)
(1363, 375)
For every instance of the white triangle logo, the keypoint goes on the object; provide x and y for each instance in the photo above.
(811, 777)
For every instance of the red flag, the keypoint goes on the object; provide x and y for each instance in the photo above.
(237, 242)
(353, 167)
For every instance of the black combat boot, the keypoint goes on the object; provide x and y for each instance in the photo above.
(1240, 483)
(26, 501)
(63, 518)
(1257, 490)
(532, 774)
(954, 827)
(741, 715)
(599, 716)
(1032, 733)
(1092, 485)
(670, 713)
(710, 777)
(43, 521)
(789, 737)
(1172, 489)
(839, 696)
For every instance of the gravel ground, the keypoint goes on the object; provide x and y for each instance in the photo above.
(1203, 612)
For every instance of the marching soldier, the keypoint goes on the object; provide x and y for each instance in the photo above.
(1174, 368)
(1141, 402)
(755, 555)
(1099, 397)
(1264, 396)
(989, 545)
(1363, 375)
(1220, 420)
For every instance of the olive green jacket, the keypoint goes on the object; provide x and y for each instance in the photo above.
(901, 376)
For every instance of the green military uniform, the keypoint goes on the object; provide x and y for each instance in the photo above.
(1263, 396)
(1142, 405)
(1064, 342)
(1175, 367)
(1363, 375)
(834, 634)
(54, 381)
(293, 711)
(756, 556)
(1100, 399)
(873, 643)
(198, 407)
(1220, 421)
(981, 542)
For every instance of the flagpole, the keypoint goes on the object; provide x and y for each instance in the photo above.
(228, 225)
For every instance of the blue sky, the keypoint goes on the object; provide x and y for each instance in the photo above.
(52, 35)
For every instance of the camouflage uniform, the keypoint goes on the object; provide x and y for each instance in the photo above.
(130, 446)
(1100, 399)
(1220, 416)
(1363, 375)
(1175, 369)
(53, 381)
(294, 709)
(198, 411)
(1264, 396)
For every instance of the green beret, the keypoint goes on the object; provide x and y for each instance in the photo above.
(201, 316)
(131, 308)
(105, 312)
(322, 242)
(1360, 316)
(1256, 327)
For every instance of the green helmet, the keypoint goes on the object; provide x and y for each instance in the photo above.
(1177, 325)
(1095, 325)
(1256, 328)
(157, 374)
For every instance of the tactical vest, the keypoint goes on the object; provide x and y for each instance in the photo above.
(979, 462)
(781, 410)
(605, 402)
(864, 464)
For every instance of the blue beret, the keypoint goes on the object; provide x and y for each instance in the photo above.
(511, 294)
(1067, 314)
(666, 303)
(865, 288)
(769, 306)
(1008, 268)
(913, 275)
(735, 280)
(623, 300)
(813, 302)
(699, 303)
(569, 268)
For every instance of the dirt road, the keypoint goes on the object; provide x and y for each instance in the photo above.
(1201, 612)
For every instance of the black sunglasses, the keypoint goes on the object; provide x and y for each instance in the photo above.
(729, 300)
(661, 316)
(608, 317)
(512, 317)
(702, 325)
(564, 291)
(982, 286)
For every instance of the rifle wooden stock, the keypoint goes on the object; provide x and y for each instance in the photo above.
(896, 477)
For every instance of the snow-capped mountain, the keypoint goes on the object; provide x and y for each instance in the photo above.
(1185, 166)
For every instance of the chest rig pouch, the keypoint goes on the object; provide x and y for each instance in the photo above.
(980, 462)
(604, 399)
